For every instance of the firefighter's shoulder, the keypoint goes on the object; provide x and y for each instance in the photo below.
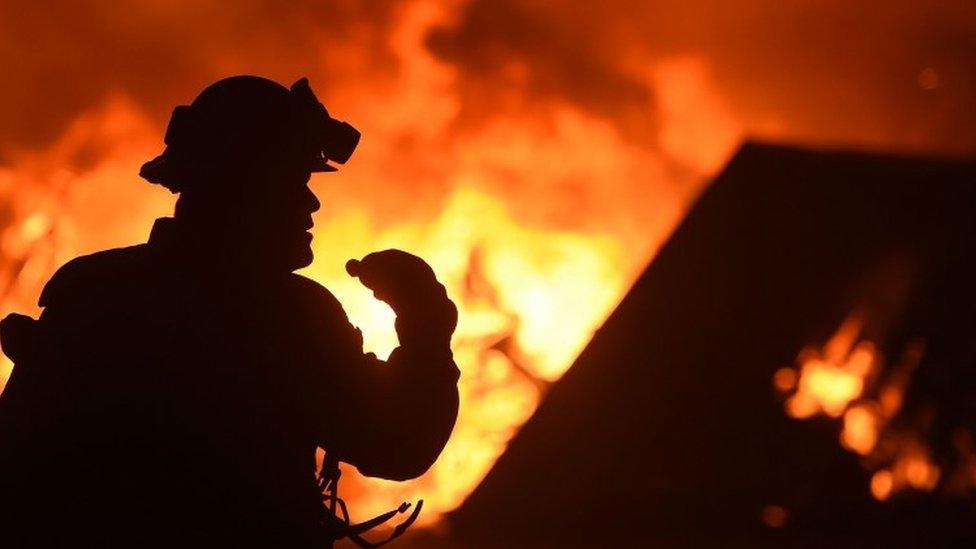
(88, 276)
(315, 299)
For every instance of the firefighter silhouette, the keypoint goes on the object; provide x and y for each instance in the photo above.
(174, 393)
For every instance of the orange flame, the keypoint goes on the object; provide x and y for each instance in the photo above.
(834, 381)
(831, 377)
(536, 221)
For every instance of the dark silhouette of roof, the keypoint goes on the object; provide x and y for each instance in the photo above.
(667, 432)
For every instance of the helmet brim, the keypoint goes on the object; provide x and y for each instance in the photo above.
(162, 170)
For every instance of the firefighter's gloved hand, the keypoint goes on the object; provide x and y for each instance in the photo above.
(19, 337)
(426, 317)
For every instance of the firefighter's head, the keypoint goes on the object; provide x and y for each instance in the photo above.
(241, 156)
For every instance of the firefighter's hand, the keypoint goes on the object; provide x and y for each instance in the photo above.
(19, 336)
(426, 317)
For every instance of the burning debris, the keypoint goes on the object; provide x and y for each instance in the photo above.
(829, 378)
(843, 380)
(847, 379)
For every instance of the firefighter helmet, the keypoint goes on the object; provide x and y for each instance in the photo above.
(250, 120)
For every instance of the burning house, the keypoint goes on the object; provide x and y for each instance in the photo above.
(793, 367)
(679, 425)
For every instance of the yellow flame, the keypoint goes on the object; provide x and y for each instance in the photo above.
(831, 377)
(546, 295)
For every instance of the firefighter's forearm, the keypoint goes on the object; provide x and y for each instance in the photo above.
(415, 395)
(416, 414)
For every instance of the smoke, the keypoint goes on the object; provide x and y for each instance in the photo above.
(892, 75)
(62, 58)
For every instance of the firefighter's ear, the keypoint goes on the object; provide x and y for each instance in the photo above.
(18, 336)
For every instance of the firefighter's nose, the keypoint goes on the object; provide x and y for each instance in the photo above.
(311, 200)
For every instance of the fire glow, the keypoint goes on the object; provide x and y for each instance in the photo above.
(536, 216)
(536, 222)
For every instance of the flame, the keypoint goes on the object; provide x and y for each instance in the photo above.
(537, 217)
(912, 469)
(830, 377)
(537, 221)
(521, 324)
(841, 380)
(861, 427)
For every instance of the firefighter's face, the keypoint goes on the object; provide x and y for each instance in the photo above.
(278, 216)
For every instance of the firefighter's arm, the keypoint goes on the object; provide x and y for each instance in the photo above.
(399, 414)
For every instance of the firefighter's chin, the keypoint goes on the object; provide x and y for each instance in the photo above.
(305, 260)
(287, 255)
(302, 256)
